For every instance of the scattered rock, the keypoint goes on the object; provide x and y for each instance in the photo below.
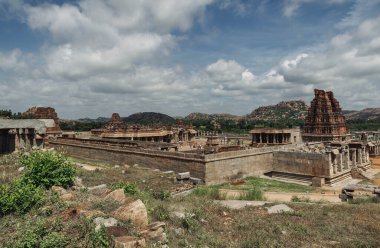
(183, 175)
(135, 211)
(116, 166)
(280, 208)
(21, 169)
(116, 231)
(127, 166)
(195, 180)
(67, 197)
(129, 242)
(99, 187)
(168, 172)
(155, 231)
(99, 221)
(116, 195)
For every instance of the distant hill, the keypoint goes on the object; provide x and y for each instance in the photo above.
(99, 119)
(203, 116)
(293, 110)
(149, 118)
(365, 114)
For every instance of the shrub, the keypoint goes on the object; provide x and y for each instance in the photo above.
(54, 240)
(129, 188)
(161, 195)
(161, 213)
(300, 199)
(20, 197)
(48, 169)
(99, 239)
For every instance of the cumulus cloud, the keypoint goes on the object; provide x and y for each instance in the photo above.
(114, 56)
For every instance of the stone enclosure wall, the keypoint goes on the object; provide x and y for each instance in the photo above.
(310, 164)
(213, 168)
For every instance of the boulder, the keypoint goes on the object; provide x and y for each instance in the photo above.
(134, 211)
(280, 208)
(21, 169)
(99, 221)
(129, 242)
(98, 187)
(116, 195)
(155, 231)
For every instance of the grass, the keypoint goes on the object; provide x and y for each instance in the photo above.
(273, 185)
(206, 223)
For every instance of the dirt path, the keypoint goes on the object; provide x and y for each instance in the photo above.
(287, 197)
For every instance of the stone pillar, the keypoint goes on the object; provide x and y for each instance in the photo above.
(353, 156)
(346, 164)
(360, 157)
(340, 162)
(261, 138)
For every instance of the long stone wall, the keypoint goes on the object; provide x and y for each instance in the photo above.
(302, 163)
(153, 159)
(213, 168)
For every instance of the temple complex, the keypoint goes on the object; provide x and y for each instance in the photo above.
(117, 129)
(49, 117)
(21, 135)
(324, 121)
(275, 136)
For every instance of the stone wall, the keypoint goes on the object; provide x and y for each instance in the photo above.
(213, 168)
(162, 160)
(238, 166)
(302, 163)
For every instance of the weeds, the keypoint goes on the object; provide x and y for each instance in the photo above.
(129, 188)
(253, 194)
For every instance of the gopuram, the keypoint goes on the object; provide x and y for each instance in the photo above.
(324, 121)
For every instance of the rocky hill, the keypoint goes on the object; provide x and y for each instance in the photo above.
(149, 118)
(296, 110)
(365, 114)
(203, 116)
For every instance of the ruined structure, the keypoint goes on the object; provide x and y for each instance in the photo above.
(49, 117)
(116, 129)
(275, 136)
(324, 121)
(21, 135)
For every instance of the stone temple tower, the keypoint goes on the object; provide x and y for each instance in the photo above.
(325, 121)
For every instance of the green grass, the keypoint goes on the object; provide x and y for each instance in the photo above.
(273, 185)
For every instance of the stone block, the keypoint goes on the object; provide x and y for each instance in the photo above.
(318, 181)
(183, 175)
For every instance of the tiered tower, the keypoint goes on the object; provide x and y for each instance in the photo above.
(325, 121)
(115, 124)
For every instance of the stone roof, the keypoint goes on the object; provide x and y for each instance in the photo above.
(38, 125)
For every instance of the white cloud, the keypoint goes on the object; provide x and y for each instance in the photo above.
(292, 6)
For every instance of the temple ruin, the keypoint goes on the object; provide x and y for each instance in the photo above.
(49, 116)
(117, 129)
(21, 135)
(322, 153)
(324, 121)
(275, 136)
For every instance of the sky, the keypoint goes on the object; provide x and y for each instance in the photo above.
(90, 58)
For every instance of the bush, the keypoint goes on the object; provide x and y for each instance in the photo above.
(161, 195)
(48, 169)
(161, 213)
(54, 240)
(19, 197)
(129, 188)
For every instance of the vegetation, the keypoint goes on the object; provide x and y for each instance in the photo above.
(48, 169)
(363, 125)
(272, 185)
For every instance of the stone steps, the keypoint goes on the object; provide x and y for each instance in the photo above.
(338, 179)
(293, 178)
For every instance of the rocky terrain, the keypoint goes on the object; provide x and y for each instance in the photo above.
(365, 114)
